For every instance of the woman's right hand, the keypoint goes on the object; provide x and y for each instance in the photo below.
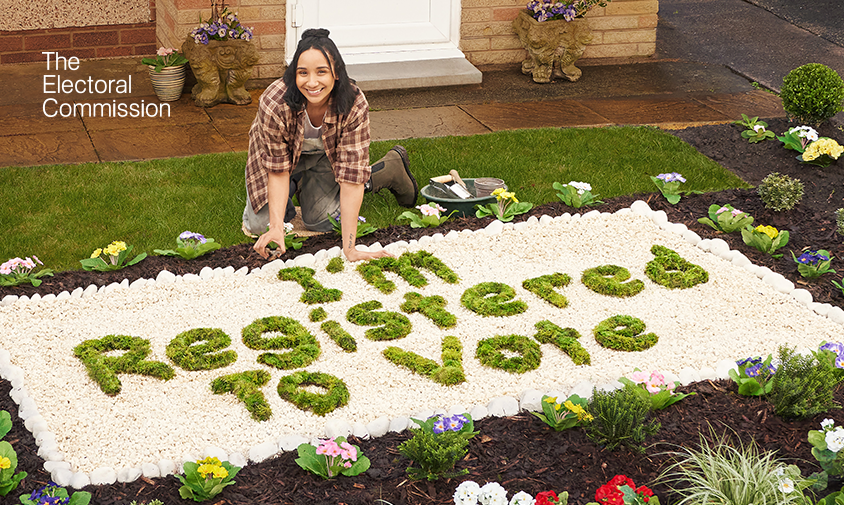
(272, 235)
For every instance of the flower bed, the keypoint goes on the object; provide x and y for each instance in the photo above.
(151, 420)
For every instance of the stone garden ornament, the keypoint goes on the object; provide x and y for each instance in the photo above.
(554, 34)
(221, 55)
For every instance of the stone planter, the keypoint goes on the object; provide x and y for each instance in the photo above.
(167, 83)
(553, 46)
(221, 68)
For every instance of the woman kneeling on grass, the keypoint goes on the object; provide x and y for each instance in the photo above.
(311, 134)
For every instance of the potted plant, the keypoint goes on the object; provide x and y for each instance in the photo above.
(221, 55)
(554, 34)
(167, 73)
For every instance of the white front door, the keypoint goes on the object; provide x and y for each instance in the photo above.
(380, 31)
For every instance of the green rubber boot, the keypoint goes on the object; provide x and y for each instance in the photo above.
(393, 172)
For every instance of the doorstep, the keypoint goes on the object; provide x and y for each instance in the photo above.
(414, 74)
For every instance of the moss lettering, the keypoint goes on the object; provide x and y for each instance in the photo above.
(103, 369)
(432, 307)
(305, 348)
(670, 270)
(182, 351)
(246, 387)
(314, 291)
(391, 325)
(565, 339)
(447, 374)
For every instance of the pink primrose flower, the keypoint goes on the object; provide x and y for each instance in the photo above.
(652, 387)
(657, 378)
(722, 209)
(347, 464)
(639, 377)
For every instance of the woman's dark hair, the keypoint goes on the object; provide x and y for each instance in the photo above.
(344, 93)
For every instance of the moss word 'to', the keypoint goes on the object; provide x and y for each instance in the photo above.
(104, 369)
(294, 336)
(489, 353)
(335, 396)
(246, 387)
(669, 269)
(624, 333)
(543, 287)
(182, 351)
(610, 280)
(492, 299)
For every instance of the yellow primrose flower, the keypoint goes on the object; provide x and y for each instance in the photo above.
(220, 472)
(205, 470)
(96, 252)
(551, 400)
(5, 463)
(209, 461)
(768, 230)
(823, 146)
(498, 191)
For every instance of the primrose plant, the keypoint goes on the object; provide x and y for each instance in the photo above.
(332, 457)
(765, 238)
(798, 138)
(364, 228)
(430, 216)
(565, 415)
(827, 444)
(206, 478)
(654, 388)
(18, 271)
(669, 186)
(726, 218)
(190, 245)
(755, 130)
(822, 152)
(111, 257)
(53, 494)
(754, 376)
(812, 264)
(506, 207)
(576, 194)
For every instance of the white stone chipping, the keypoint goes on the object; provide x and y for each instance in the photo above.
(737, 313)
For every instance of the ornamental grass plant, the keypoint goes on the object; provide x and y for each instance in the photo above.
(62, 212)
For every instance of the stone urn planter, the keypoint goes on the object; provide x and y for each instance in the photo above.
(553, 46)
(221, 68)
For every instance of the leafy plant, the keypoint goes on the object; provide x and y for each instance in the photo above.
(17, 271)
(822, 152)
(165, 57)
(765, 238)
(621, 490)
(332, 457)
(803, 385)
(53, 494)
(576, 194)
(364, 228)
(732, 474)
(506, 207)
(798, 138)
(753, 376)
(206, 478)
(112, 257)
(812, 264)
(780, 192)
(812, 93)
(437, 445)
(190, 245)
(726, 218)
(562, 416)
(9, 480)
(827, 445)
(429, 216)
(620, 418)
(756, 131)
(654, 389)
(669, 185)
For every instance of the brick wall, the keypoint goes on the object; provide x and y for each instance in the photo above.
(178, 17)
(84, 42)
(624, 28)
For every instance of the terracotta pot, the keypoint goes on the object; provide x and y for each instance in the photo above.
(221, 68)
(168, 83)
(552, 46)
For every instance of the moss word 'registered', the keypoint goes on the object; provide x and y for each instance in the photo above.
(205, 348)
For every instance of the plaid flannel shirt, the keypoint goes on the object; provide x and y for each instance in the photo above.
(277, 134)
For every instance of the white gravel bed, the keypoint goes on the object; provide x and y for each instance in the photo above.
(735, 314)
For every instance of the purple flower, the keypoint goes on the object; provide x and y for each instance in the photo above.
(753, 371)
(749, 361)
(455, 423)
(811, 258)
(189, 235)
(836, 347)
(439, 426)
(672, 177)
(839, 360)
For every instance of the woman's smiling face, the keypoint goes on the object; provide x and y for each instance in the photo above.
(315, 77)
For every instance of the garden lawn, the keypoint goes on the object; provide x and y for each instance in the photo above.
(61, 213)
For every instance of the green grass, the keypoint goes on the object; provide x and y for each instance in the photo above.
(61, 213)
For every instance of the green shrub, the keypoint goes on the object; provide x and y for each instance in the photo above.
(780, 192)
(803, 386)
(620, 418)
(812, 93)
(438, 443)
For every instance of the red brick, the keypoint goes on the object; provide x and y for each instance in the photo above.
(9, 44)
(109, 52)
(22, 57)
(80, 53)
(90, 39)
(145, 50)
(47, 42)
(506, 13)
(138, 36)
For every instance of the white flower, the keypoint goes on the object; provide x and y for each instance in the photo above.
(522, 498)
(779, 472)
(835, 439)
(288, 227)
(806, 132)
(493, 494)
(581, 187)
(827, 423)
(786, 486)
(757, 128)
(467, 493)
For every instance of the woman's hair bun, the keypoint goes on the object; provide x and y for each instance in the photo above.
(315, 32)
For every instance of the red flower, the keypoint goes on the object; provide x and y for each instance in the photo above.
(547, 498)
(644, 491)
(609, 494)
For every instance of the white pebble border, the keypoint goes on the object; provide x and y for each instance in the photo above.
(620, 232)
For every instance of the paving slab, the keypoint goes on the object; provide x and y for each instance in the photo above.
(428, 122)
(63, 147)
(28, 118)
(753, 104)
(652, 110)
(553, 113)
(179, 112)
(132, 144)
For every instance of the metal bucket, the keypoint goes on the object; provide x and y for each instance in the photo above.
(484, 186)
